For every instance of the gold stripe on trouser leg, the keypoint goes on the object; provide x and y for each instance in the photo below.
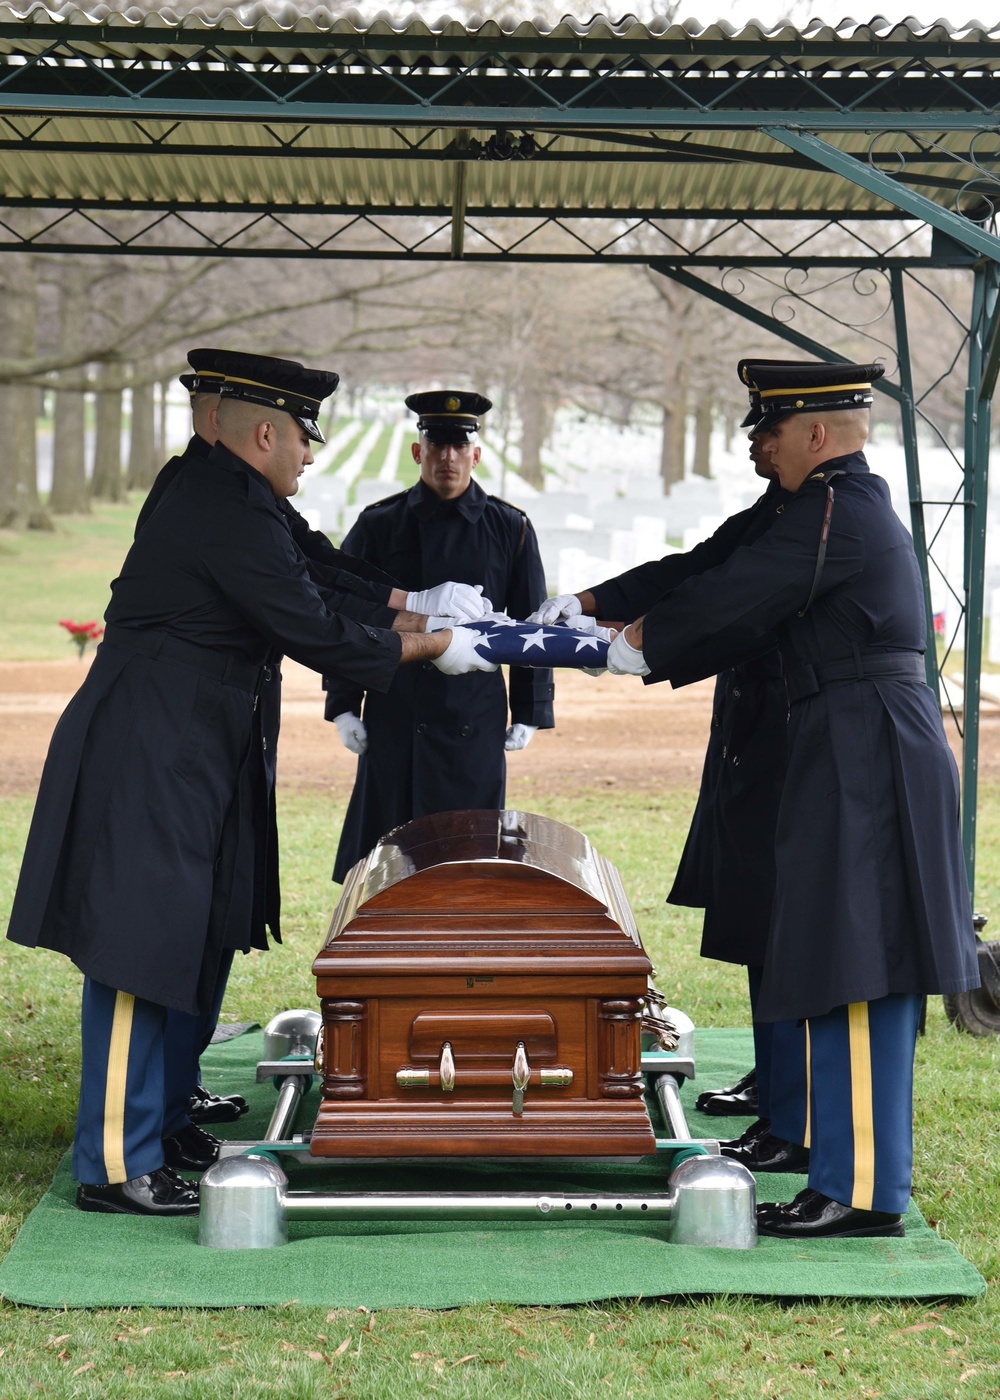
(862, 1108)
(114, 1087)
(808, 1055)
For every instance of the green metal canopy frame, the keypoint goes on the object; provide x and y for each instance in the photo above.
(702, 153)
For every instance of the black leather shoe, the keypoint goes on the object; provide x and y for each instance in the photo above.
(191, 1149)
(739, 1099)
(161, 1192)
(216, 1108)
(813, 1216)
(761, 1151)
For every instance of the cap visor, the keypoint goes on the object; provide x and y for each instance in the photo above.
(311, 428)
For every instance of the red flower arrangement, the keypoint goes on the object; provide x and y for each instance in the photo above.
(81, 633)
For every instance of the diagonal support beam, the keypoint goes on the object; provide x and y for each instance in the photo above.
(840, 162)
(761, 319)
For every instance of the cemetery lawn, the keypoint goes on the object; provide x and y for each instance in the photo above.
(684, 1349)
(681, 1349)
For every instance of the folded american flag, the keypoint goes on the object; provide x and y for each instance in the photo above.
(513, 643)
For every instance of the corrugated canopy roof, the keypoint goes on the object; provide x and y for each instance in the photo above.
(284, 110)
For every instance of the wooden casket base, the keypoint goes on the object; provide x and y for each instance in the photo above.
(481, 1129)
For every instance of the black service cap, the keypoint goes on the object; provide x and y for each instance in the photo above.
(779, 388)
(283, 384)
(448, 415)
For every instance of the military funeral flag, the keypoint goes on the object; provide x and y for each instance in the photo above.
(512, 643)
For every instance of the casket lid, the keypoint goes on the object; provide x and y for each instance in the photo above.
(499, 888)
(448, 861)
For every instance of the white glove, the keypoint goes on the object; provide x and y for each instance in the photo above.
(460, 600)
(558, 609)
(461, 655)
(519, 736)
(353, 734)
(625, 659)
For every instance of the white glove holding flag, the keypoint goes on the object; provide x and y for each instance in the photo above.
(562, 608)
(463, 601)
(353, 734)
(625, 659)
(519, 736)
(461, 655)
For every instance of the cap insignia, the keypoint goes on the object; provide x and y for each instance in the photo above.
(452, 405)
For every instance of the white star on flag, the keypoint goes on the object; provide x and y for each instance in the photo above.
(588, 642)
(536, 639)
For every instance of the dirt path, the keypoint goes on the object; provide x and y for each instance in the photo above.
(610, 731)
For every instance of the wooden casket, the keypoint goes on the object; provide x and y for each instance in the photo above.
(482, 984)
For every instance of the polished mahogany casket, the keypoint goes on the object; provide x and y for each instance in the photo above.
(482, 986)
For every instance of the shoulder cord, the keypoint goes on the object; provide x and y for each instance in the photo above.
(824, 536)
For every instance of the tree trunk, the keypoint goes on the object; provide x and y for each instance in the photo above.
(69, 467)
(702, 464)
(106, 483)
(142, 463)
(160, 435)
(19, 501)
(532, 434)
(671, 469)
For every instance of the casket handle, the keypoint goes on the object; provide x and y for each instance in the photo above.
(520, 1074)
(446, 1069)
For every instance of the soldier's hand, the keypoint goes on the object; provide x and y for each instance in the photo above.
(625, 659)
(563, 608)
(353, 734)
(463, 601)
(461, 655)
(519, 736)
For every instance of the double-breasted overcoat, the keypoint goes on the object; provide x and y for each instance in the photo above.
(151, 848)
(871, 896)
(436, 743)
(727, 866)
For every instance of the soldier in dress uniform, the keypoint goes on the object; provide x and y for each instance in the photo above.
(727, 866)
(871, 910)
(151, 849)
(424, 747)
(351, 587)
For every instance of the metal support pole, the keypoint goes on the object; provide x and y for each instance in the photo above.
(977, 449)
(908, 420)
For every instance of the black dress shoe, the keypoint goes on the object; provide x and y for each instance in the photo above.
(739, 1099)
(161, 1192)
(761, 1151)
(216, 1108)
(813, 1216)
(191, 1149)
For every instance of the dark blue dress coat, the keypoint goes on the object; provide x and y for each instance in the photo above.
(435, 742)
(871, 895)
(149, 848)
(727, 866)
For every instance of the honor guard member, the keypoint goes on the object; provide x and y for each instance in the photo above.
(727, 866)
(424, 747)
(350, 586)
(151, 851)
(871, 909)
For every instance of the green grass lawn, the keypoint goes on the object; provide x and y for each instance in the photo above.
(64, 573)
(681, 1349)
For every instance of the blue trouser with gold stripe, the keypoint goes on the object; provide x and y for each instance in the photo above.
(859, 1124)
(124, 1087)
(781, 1044)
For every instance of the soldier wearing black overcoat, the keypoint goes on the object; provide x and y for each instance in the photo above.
(427, 747)
(149, 854)
(871, 910)
(350, 587)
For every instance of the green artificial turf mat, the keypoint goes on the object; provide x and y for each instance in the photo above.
(67, 1258)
